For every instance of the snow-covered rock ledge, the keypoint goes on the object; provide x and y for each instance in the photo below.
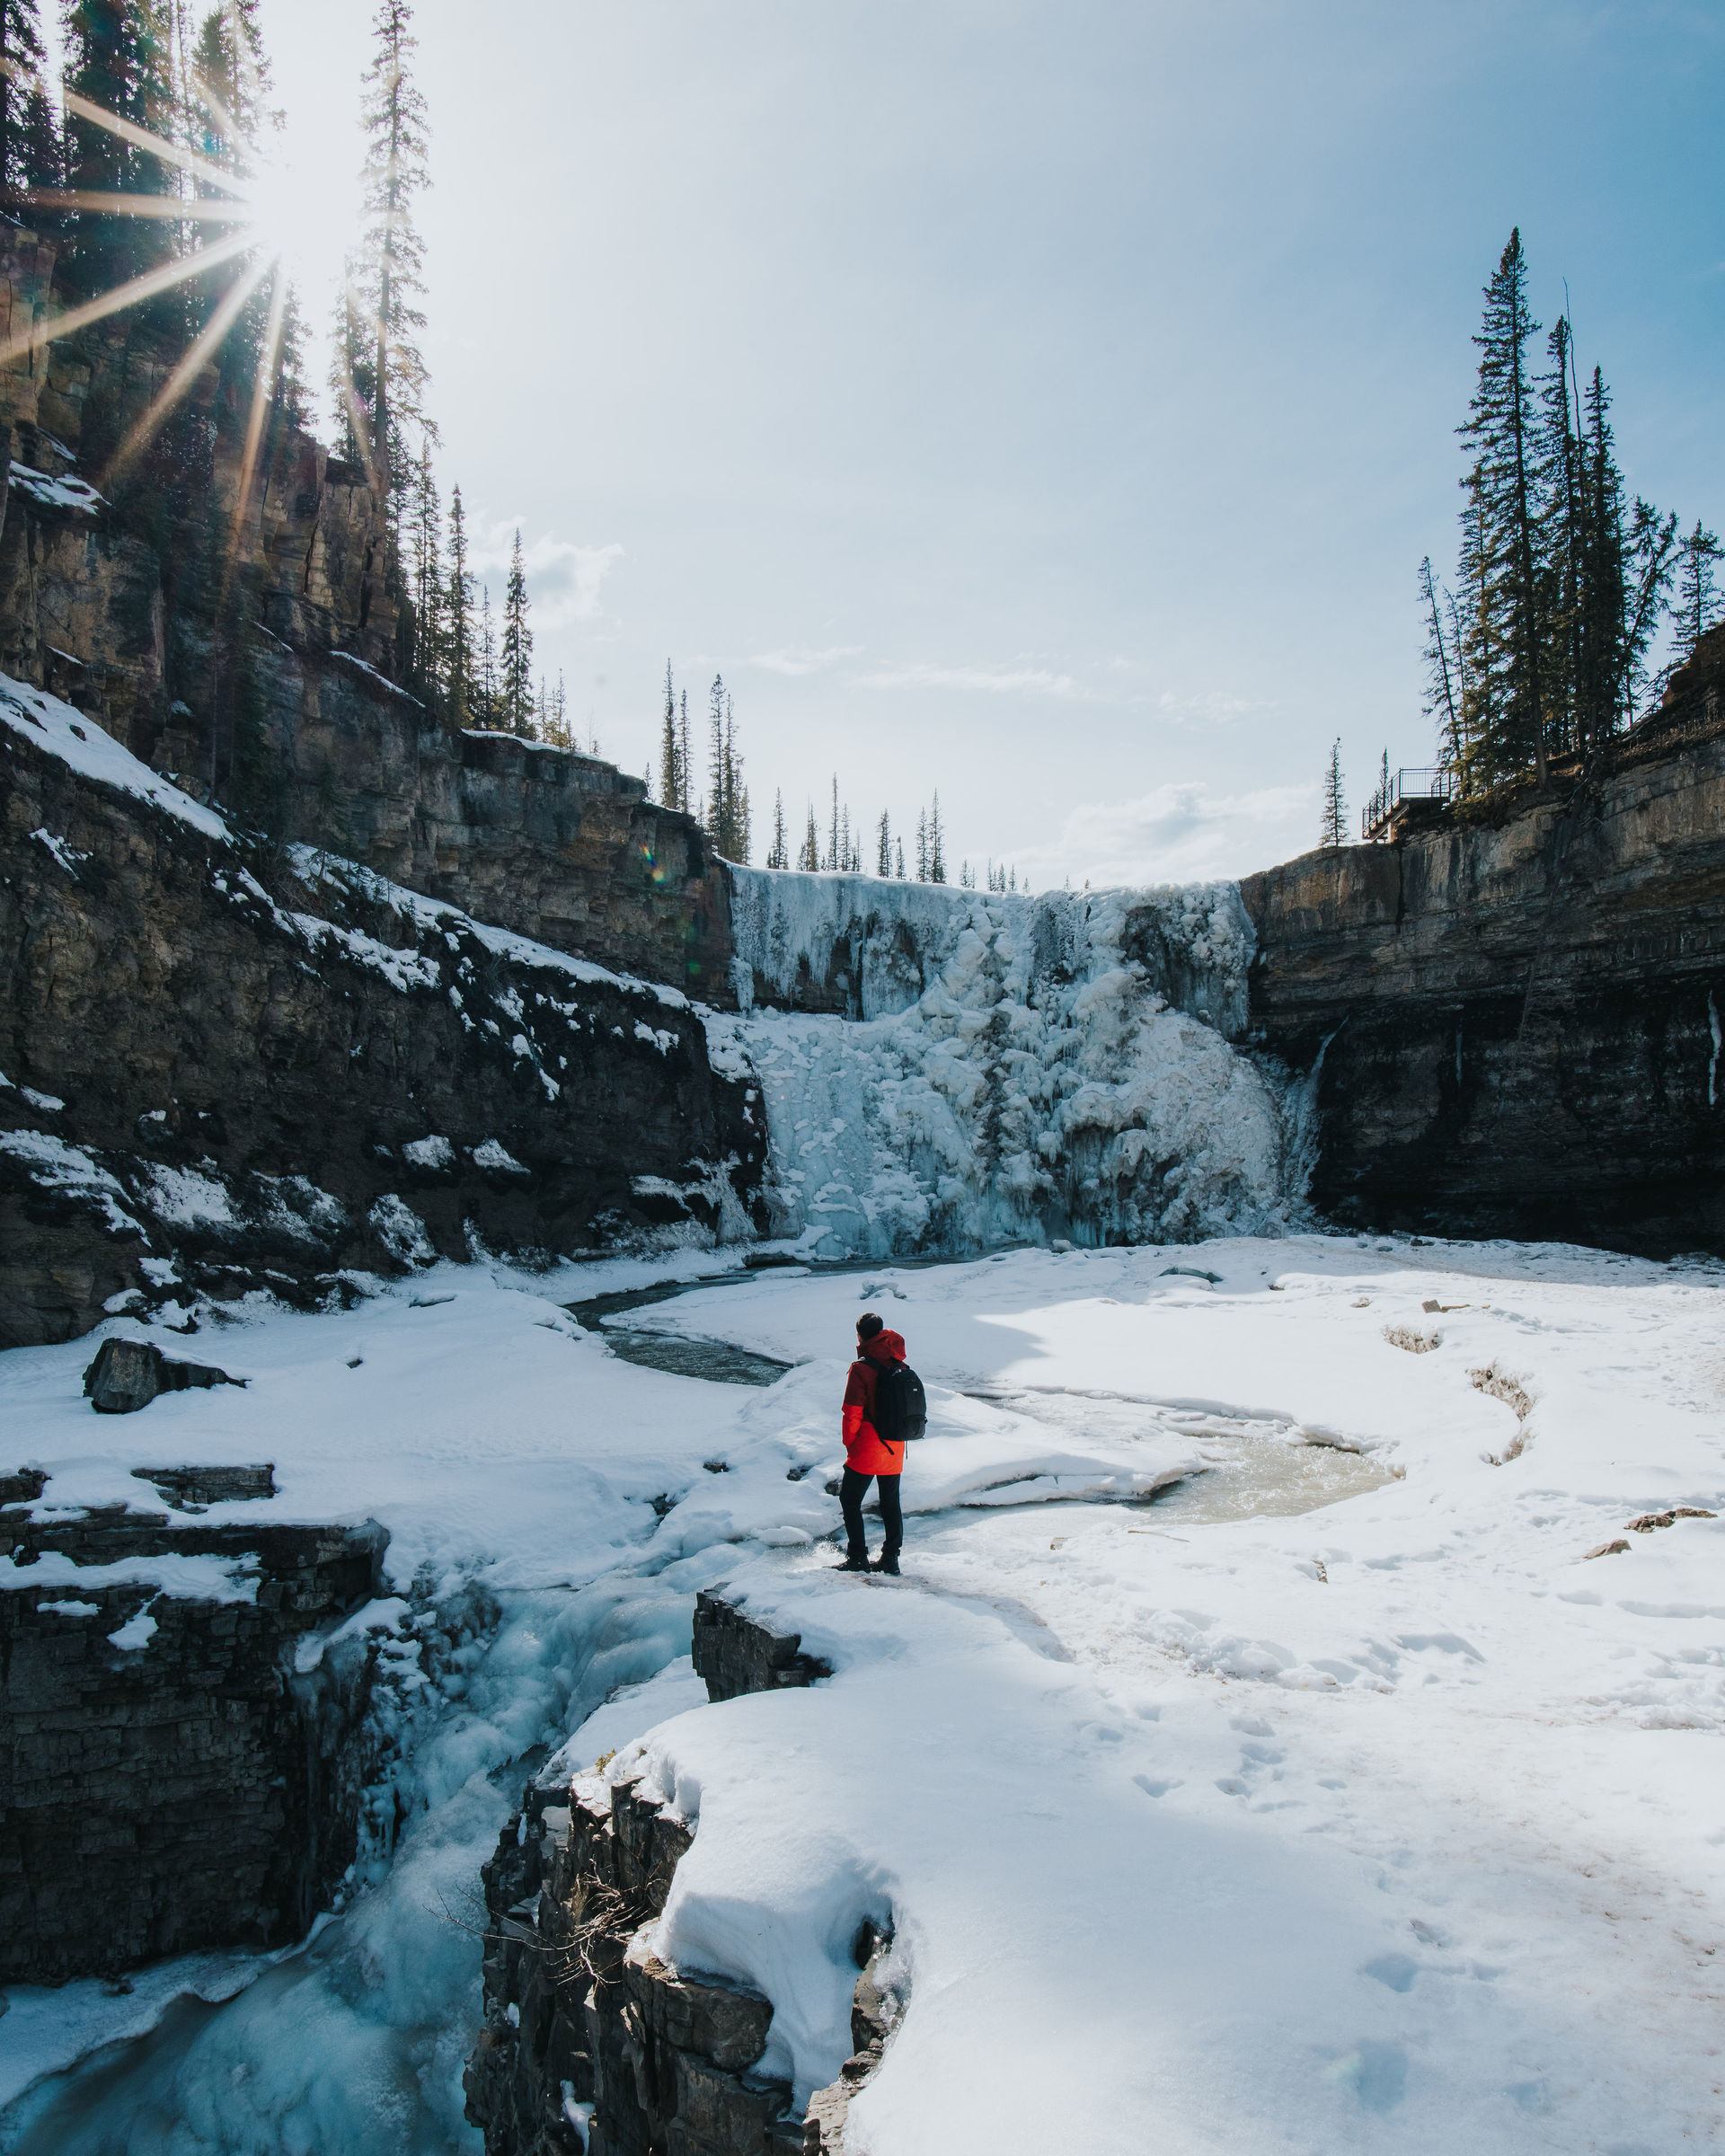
(592, 2041)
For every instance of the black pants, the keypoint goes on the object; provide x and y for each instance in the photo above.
(852, 1491)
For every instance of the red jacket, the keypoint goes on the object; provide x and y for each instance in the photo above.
(866, 1450)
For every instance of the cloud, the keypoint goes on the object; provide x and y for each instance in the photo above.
(565, 581)
(1178, 834)
(995, 681)
(798, 659)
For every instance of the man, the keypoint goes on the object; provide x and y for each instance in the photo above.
(868, 1456)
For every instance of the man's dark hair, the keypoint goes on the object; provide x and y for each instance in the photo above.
(868, 1325)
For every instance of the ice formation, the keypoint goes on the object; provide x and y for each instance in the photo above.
(992, 1069)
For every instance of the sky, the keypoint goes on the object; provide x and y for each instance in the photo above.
(1043, 402)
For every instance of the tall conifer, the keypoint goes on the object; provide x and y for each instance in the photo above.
(1333, 831)
(671, 787)
(391, 275)
(458, 620)
(778, 857)
(117, 56)
(21, 44)
(1695, 608)
(1501, 519)
(516, 658)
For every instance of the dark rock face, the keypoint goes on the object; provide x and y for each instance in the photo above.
(230, 1065)
(129, 1374)
(286, 711)
(188, 1787)
(593, 2045)
(1516, 1024)
(735, 1654)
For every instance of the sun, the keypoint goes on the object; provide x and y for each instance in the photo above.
(256, 220)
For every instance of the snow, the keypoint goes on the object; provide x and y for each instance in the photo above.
(63, 731)
(51, 493)
(50, 1104)
(54, 1165)
(1206, 1824)
(494, 1154)
(352, 659)
(434, 1154)
(68, 856)
(1024, 1069)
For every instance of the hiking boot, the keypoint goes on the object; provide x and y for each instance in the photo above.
(855, 1562)
(887, 1563)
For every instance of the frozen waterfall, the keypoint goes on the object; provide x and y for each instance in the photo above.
(956, 1070)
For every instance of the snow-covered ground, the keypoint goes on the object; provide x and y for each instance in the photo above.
(1393, 1826)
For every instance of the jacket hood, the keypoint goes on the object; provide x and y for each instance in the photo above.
(886, 1347)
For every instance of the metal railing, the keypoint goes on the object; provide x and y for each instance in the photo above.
(1431, 784)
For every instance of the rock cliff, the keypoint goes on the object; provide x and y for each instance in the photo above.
(227, 1064)
(246, 647)
(1516, 1020)
(178, 1770)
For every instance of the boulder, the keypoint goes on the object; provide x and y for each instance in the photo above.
(127, 1374)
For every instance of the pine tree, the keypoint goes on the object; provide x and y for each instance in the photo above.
(1443, 668)
(716, 812)
(487, 713)
(883, 847)
(1334, 830)
(1560, 519)
(458, 620)
(809, 856)
(41, 152)
(898, 858)
(921, 845)
(117, 56)
(391, 280)
(1652, 562)
(20, 45)
(936, 845)
(292, 393)
(516, 662)
(1603, 654)
(966, 877)
(1502, 489)
(671, 788)
(831, 859)
(778, 856)
(683, 765)
(1696, 609)
(425, 570)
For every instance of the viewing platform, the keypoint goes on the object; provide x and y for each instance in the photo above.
(1408, 800)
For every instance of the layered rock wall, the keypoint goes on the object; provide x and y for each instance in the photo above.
(1516, 1022)
(175, 1771)
(246, 647)
(227, 1065)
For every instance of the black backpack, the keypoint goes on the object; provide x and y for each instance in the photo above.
(900, 1404)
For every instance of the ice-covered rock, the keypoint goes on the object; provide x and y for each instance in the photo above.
(959, 1070)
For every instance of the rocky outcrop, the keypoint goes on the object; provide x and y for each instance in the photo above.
(1516, 1022)
(181, 1741)
(735, 1654)
(594, 2046)
(230, 1064)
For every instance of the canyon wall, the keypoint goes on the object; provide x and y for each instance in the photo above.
(225, 1065)
(1515, 1018)
(177, 1771)
(246, 647)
